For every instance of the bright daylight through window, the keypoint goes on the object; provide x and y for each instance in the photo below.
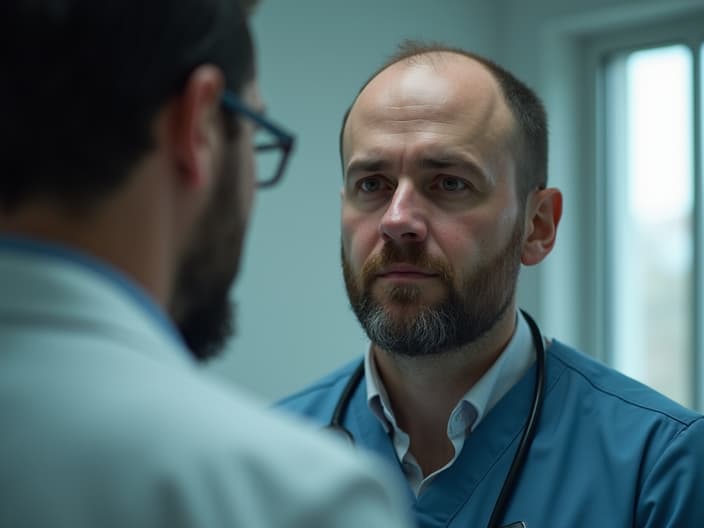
(650, 187)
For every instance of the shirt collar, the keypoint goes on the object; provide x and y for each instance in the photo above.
(377, 397)
(506, 371)
(93, 265)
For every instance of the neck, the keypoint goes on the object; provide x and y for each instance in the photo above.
(424, 390)
(123, 232)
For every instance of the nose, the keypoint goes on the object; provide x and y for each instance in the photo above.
(404, 220)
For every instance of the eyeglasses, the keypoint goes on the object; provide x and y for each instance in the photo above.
(274, 143)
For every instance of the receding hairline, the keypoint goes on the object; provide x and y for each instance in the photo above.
(430, 58)
(528, 115)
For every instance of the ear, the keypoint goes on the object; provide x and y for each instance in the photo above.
(194, 126)
(542, 216)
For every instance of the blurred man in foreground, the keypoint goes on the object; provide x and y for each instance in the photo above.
(127, 181)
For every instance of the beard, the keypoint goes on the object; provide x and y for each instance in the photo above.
(201, 306)
(464, 315)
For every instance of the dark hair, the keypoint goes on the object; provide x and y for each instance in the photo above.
(531, 140)
(83, 80)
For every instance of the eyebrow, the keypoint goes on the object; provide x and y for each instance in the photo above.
(367, 165)
(446, 162)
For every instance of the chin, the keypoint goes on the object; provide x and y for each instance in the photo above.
(409, 297)
(401, 313)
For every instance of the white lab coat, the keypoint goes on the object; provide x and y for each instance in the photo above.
(106, 421)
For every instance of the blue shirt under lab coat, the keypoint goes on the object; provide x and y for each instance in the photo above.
(609, 452)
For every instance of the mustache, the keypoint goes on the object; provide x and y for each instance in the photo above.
(414, 255)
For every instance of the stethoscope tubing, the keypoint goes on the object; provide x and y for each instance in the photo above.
(528, 431)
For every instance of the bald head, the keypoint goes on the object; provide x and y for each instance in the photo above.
(455, 82)
(428, 94)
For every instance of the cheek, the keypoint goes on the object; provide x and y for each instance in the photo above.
(486, 237)
(458, 235)
(465, 242)
(360, 234)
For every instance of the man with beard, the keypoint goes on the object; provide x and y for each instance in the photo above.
(444, 196)
(127, 182)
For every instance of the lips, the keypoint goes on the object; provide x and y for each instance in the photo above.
(405, 270)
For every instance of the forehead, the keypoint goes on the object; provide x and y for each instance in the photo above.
(442, 93)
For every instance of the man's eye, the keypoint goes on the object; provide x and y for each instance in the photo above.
(369, 185)
(453, 184)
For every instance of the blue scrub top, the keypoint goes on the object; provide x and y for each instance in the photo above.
(608, 452)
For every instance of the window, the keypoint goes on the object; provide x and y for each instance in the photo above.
(649, 152)
(625, 282)
(650, 185)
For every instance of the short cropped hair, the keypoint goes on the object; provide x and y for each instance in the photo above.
(82, 81)
(531, 131)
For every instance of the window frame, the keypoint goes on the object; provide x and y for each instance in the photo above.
(573, 53)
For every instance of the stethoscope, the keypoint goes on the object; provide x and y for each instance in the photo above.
(338, 415)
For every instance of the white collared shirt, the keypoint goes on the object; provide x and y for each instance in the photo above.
(507, 370)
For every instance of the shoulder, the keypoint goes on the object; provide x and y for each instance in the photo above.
(617, 390)
(219, 457)
(652, 446)
(261, 457)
